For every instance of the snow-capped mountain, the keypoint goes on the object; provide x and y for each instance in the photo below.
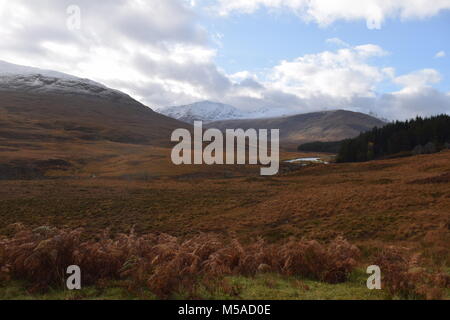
(205, 111)
(21, 78)
(208, 111)
(52, 107)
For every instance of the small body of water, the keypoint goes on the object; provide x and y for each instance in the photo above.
(305, 160)
(316, 160)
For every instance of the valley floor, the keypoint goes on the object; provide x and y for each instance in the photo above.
(403, 202)
(393, 201)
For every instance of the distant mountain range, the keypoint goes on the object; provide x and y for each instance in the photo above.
(205, 111)
(297, 128)
(44, 105)
(316, 126)
(209, 111)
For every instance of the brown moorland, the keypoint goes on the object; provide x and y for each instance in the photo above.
(52, 175)
(119, 187)
(392, 200)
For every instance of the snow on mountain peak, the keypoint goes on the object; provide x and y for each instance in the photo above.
(10, 69)
(206, 111)
(15, 77)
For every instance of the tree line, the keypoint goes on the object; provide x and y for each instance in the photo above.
(416, 136)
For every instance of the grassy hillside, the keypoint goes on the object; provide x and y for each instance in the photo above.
(55, 118)
(317, 126)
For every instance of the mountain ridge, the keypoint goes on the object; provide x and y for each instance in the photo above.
(206, 111)
(308, 127)
(15, 77)
(41, 105)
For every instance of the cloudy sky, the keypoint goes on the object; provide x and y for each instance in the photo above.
(391, 58)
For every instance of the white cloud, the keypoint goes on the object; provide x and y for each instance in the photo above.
(409, 104)
(343, 74)
(157, 52)
(416, 97)
(344, 79)
(325, 12)
(338, 42)
(440, 54)
(418, 80)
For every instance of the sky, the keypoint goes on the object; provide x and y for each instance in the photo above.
(389, 58)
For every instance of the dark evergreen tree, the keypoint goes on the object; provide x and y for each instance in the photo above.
(414, 136)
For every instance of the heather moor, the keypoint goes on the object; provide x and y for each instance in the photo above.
(224, 150)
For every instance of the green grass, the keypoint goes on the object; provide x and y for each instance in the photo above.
(18, 291)
(261, 287)
(276, 287)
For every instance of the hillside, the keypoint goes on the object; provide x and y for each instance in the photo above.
(49, 116)
(317, 126)
(50, 106)
(53, 121)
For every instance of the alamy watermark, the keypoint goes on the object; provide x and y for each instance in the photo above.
(241, 147)
(73, 21)
(374, 281)
(74, 280)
